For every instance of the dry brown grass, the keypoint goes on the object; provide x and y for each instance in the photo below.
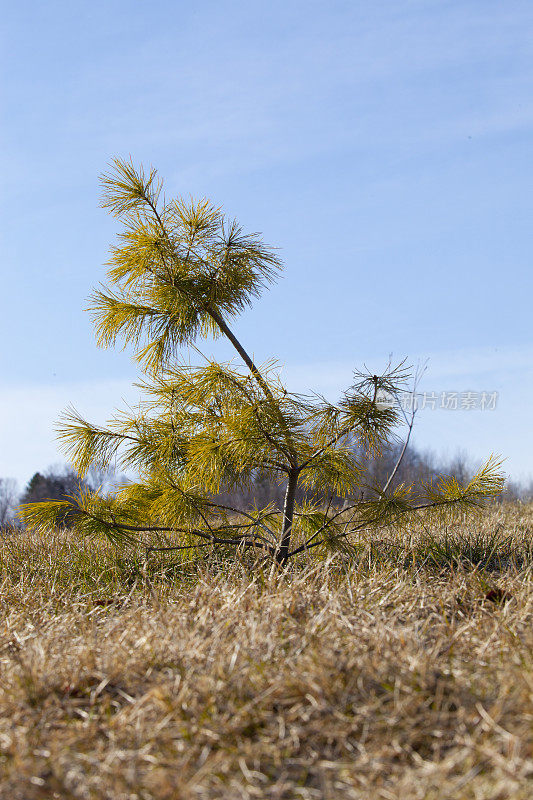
(405, 672)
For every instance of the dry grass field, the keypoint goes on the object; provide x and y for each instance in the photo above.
(402, 670)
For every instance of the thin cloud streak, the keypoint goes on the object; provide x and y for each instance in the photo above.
(29, 415)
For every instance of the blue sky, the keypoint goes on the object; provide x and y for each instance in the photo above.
(384, 147)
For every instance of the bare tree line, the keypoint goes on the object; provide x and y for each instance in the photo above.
(54, 483)
(391, 468)
(415, 468)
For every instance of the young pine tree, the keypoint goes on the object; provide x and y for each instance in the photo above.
(182, 271)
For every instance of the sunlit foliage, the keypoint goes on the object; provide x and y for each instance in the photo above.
(182, 271)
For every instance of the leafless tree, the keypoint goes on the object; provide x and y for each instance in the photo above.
(8, 500)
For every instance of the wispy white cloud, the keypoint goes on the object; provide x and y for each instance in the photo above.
(30, 412)
(467, 368)
(248, 102)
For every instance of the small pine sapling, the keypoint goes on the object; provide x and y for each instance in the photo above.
(182, 271)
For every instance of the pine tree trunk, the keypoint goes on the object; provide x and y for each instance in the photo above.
(288, 515)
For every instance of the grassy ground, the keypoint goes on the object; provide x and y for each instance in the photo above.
(402, 671)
